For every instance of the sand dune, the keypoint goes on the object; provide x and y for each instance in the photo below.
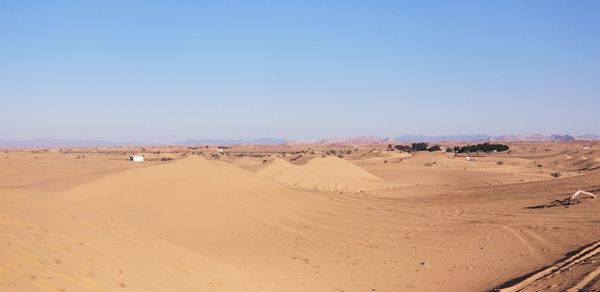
(193, 202)
(49, 246)
(323, 174)
(208, 225)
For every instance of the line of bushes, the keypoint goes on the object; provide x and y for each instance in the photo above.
(485, 147)
(414, 147)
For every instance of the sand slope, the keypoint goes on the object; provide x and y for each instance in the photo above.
(236, 218)
(49, 246)
(198, 225)
(192, 202)
(322, 174)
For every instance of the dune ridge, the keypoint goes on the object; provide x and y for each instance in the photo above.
(193, 224)
(323, 174)
(187, 199)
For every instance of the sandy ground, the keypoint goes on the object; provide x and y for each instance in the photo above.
(372, 220)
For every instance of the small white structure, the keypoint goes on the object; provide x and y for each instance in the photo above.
(136, 158)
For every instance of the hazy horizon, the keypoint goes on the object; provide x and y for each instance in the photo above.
(58, 141)
(162, 72)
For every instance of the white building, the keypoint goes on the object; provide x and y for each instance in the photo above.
(136, 158)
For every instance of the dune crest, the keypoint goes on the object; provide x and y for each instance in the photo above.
(192, 202)
(323, 174)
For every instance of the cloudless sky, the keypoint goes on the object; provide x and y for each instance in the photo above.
(161, 71)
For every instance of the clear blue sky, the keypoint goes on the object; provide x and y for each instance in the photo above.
(160, 71)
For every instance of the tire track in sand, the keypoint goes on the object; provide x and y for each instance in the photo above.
(560, 267)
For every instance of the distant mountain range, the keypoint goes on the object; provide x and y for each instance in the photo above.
(48, 142)
(446, 138)
(537, 138)
(360, 140)
(262, 141)
(500, 138)
(588, 137)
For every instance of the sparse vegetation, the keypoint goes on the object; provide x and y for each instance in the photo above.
(500, 162)
(419, 146)
(485, 147)
(556, 173)
(434, 148)
(410, 148)
(404, 148)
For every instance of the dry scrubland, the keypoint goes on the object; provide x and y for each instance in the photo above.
(250, 218)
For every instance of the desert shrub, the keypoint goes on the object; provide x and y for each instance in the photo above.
(404, 148)
(165, 158)
(419, 146)
(340, 156)
(385, 161)
(556, 173)
(485, 147)
(500, 162)
(434, 148)
(264, 161)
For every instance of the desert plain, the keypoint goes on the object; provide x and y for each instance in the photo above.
(299, 218)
